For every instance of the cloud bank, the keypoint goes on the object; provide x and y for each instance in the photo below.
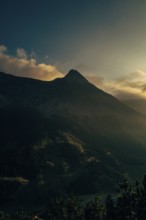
(131, 86)
(21, 65)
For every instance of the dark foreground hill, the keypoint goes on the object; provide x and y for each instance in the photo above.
(65, 136)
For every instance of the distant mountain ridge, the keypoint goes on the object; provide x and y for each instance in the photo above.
(66, 136)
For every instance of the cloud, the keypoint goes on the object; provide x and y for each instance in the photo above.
(131, 86)
(3, 49)
(21, 53)
(24, 67)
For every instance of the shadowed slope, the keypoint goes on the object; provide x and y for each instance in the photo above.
(67, 135)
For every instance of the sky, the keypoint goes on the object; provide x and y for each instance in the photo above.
(103, 39)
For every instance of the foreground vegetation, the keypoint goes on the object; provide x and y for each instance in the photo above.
(130, 204)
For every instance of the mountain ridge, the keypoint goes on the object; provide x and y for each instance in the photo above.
(67, 134)
(74, 76)
(57, 86)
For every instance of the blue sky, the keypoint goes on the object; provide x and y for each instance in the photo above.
(104, 39)
(58, 28)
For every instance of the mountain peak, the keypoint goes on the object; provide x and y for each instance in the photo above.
(75, 76)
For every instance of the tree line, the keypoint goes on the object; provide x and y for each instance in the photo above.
(129, 204)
